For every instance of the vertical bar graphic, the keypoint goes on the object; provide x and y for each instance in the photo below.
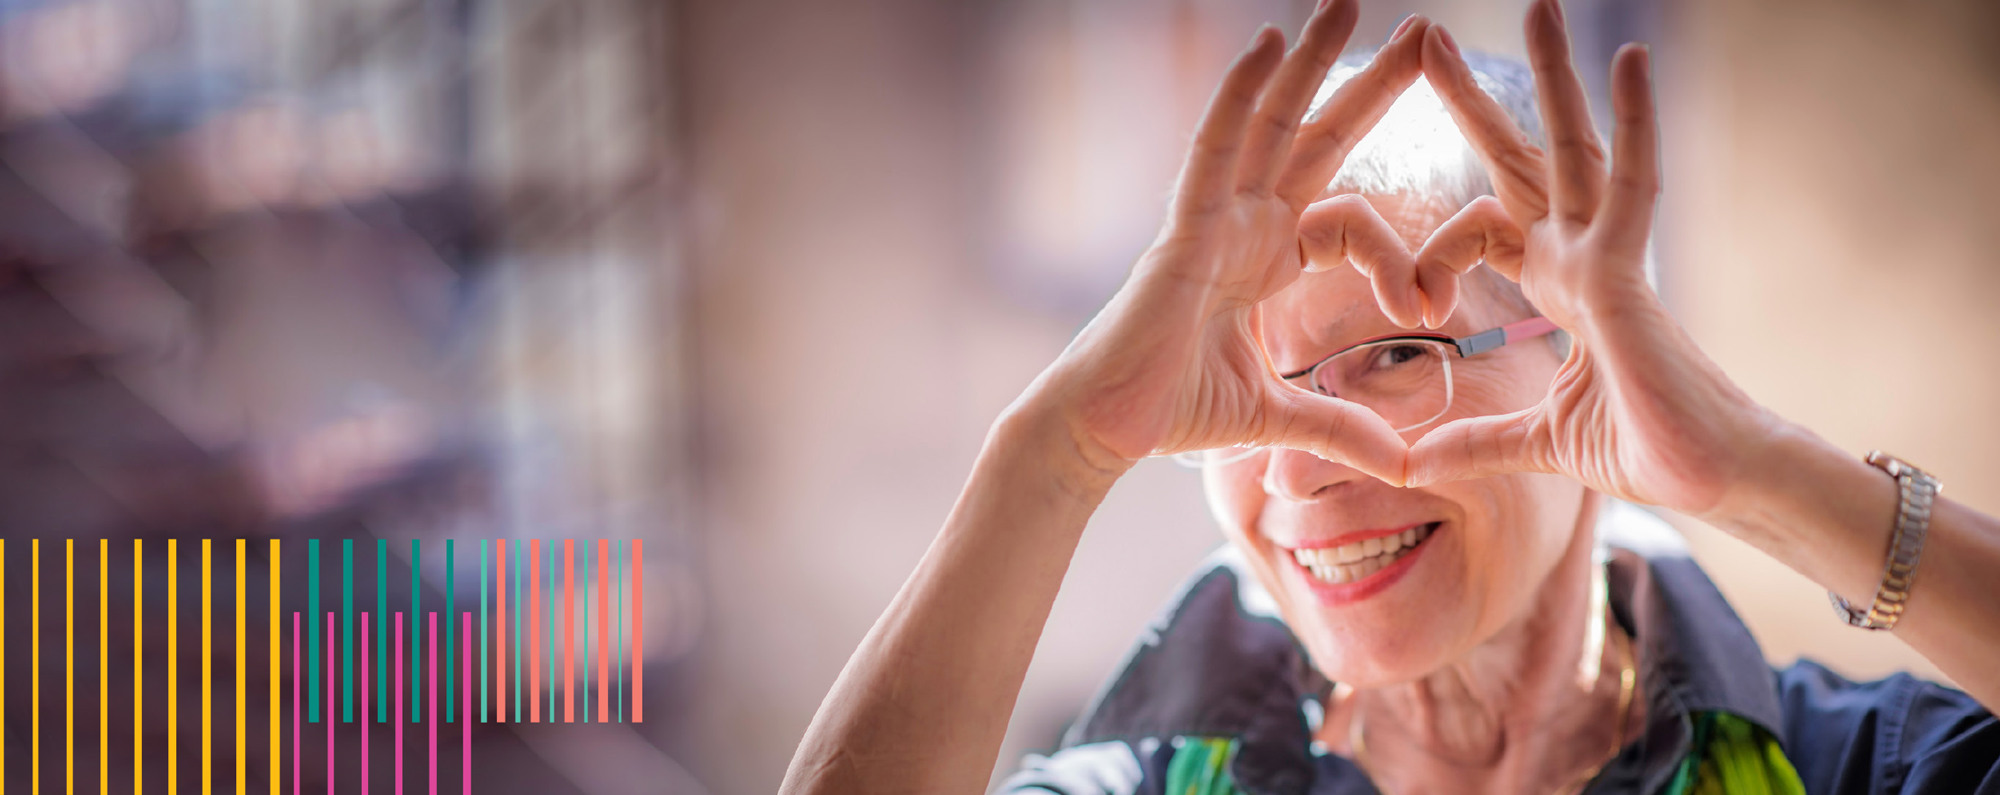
(35, 665)
(331, 724)
(138, 664)
(209, 644)
(465, 722)
(365, 730)
(173, 667)
(69, 665)
(431, 723)
(588, 561)
(569, 630)
(397, 722)
(638, 631)
(535, 628)
(295, 704)
(381, 630)
(103, 665)
(517, 632)
(499, 632)
(242, 725)
(312, 639)
(483, 551)
(416, 616)
(603, 630)
(347, 630)
(274, 596)
(619, 588)
(553, 575)
(450, 648)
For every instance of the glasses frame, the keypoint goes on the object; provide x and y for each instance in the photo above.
(1466, 347)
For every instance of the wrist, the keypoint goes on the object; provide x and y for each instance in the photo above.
(1815, 507)
(1034, 436)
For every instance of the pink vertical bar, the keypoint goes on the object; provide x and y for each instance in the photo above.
(638, 631)
(295, 703)
(465, 703)
(603, 630)
(330, 722)
(398, 722)
(364, 702)
(431, 723)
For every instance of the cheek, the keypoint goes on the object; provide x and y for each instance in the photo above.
(1235, 496)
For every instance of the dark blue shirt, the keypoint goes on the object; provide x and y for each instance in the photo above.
(1220, 667)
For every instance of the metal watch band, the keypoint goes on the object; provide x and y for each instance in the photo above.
(1915, 491)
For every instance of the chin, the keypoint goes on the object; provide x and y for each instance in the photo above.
(1389, 617)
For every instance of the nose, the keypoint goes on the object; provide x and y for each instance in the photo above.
(1303, 477)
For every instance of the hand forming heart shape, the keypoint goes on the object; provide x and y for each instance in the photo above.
(1174, 362)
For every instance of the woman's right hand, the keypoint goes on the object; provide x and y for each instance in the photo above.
(1173, 363)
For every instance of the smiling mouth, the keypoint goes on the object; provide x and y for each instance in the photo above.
(1353, 562)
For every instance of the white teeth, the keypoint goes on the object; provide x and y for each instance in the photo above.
(1355, 561)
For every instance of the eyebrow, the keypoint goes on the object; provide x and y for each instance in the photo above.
(1330, 330)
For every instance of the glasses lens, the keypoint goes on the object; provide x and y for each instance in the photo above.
(1408, 382)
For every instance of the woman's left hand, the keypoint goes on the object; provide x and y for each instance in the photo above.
(1637, 411)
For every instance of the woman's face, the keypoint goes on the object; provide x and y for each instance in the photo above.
(1484, 545)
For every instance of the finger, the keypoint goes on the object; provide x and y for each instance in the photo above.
(1516, 165)
(1338, 431)
(1576, 153)
(1482, 232)
(1346, 228)
(1210, 173)
(1338, 124)
(1629, 201)
(1480, 447)
(1291, 90)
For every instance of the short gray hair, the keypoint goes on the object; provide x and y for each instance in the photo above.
(1417, 151)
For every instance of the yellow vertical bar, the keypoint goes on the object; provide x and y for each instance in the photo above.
(35, 665)
(103, 665)
(173, 668)
(241, 782)
(69, 666)
(273, 599)
(138, 666)
(206, 644)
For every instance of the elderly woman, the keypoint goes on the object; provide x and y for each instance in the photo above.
(1425, 486)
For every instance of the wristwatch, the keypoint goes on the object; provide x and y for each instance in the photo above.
(1916, 489)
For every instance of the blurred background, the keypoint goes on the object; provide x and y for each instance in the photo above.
(749, 279)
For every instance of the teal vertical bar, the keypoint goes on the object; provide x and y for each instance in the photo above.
(416, 638)
(312, 606)
(518, 568)
(381, 630)
(588, 581)
(618, 574)
(347, 630)
(483, 552)
(450, 635)
(549, 648)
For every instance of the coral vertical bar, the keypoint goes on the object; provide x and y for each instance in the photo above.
(569, 630)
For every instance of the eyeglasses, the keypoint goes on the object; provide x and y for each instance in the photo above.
(1404, 378)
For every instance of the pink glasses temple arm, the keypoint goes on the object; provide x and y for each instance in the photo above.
(1512, 332)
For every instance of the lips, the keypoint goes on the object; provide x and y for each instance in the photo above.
(1357, 569)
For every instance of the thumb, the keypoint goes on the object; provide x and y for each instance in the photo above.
(1338, 431)
(1346, 228)
(1478, 447)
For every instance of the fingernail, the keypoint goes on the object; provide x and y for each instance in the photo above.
(1322, 5)
(1400, 27)
(1561, 19)
(1444, 36)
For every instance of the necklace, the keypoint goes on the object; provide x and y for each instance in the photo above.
(1626, 679)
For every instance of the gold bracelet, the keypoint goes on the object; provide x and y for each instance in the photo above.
(1916, 489)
